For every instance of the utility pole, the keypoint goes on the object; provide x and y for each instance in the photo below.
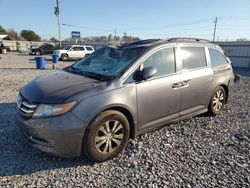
(115, 35)
(215, 25)
(57, 13)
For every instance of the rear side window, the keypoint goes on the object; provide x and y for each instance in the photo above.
(163, 60)
(81, 48)
(193, 57)
(217, 58)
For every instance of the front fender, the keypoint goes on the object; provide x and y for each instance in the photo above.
(90, 107)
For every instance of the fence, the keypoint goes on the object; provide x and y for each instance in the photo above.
(238, 52)
(25, 46)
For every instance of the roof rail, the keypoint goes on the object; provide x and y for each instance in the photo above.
(140, 42)
(187, 39)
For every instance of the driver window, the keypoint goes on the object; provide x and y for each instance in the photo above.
(163, 60)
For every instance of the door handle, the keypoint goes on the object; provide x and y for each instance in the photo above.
(176, 85)
(181, 84)
(186, 82)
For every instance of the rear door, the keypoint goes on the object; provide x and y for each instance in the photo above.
(81, 52)
(49, 49)
(196, 80)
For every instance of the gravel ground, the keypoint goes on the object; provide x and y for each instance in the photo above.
(198, 152)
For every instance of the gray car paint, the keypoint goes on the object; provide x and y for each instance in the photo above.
(148, 104)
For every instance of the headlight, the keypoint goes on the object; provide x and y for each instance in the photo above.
(46, 110)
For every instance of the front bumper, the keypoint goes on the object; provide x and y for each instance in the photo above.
(61, 135)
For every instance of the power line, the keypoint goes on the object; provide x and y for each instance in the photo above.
(176, 25)
(85, 27)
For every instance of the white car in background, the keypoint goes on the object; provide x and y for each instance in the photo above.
(74, 52)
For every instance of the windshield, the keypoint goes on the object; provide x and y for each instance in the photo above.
(67, 47)
(108, 61)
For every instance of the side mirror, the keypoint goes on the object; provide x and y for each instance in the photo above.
(148, 72)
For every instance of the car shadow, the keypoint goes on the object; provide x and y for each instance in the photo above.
(17, 157)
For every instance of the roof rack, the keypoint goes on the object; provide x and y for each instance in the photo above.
(187, 39)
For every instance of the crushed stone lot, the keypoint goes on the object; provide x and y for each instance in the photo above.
(199, 152)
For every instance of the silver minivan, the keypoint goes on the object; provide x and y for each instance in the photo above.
(96, 105)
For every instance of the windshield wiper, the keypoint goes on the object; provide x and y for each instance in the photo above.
(94, 75)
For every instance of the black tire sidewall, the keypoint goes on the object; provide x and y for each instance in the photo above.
(38, 53)
(89, 139)
(64, 57)
(211, 108)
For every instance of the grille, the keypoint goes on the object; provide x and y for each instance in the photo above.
(26, 108)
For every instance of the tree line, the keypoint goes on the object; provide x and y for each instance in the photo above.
(30, 35)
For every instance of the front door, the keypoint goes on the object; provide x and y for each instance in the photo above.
(157, 100)
(74, 52)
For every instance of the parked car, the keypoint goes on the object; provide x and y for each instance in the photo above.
(74, 52)
(43, 49)
(117, 93)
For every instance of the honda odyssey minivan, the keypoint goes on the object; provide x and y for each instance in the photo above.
(118, 92)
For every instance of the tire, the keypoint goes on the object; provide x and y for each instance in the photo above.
(38, 52)
(106, 136)
(64, 57)
(217, 101)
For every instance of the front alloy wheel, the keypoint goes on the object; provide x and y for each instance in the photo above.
(109, 136)
(106, 136)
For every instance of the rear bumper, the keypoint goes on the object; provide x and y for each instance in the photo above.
(61, 136)
(236, 79)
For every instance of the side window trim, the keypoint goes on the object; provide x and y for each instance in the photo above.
(209, 64)
(140, 65)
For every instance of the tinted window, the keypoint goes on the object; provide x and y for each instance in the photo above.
(75, 48)
(163, 60)
(217, 58)
(193, 57)
(81, 48)
(89, 48)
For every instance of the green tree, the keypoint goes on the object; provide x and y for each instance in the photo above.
(53, 39)
(2, 31)
(30, 35)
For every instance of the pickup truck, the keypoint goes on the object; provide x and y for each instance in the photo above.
(74, 52)
(43, 49)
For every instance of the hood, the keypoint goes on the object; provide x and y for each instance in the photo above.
(56, 87)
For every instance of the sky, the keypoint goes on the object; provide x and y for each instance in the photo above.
(142, 18)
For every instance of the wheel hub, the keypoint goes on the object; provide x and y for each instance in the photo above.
(109, 136)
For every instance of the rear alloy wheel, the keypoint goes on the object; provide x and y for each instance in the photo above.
(218, 101)
(106, 136)
(64, 57)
